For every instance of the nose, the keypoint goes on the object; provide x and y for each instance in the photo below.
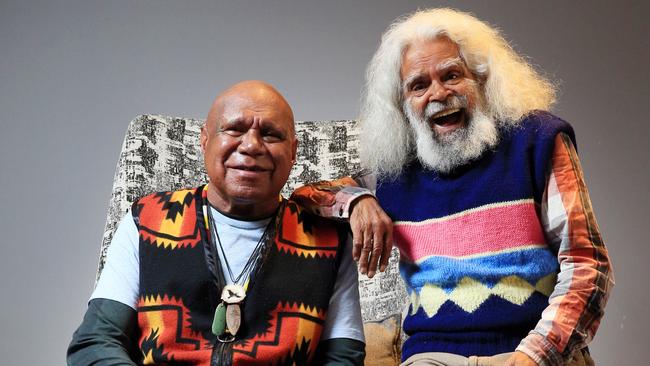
(438, 92)
(251, 142)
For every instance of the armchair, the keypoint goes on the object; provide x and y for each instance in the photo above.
(162, 153)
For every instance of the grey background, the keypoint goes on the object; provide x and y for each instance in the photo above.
(73, 74)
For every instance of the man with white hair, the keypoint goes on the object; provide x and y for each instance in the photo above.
(499, 246)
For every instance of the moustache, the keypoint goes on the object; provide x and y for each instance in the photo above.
(453, 102)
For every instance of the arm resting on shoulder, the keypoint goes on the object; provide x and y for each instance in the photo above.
(585, 280)
(330, 199)
(340, 351)
(348, 198)
(106, 336)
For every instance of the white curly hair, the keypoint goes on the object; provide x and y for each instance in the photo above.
(509, 85)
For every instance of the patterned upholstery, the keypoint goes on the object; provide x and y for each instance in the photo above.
(163, 153)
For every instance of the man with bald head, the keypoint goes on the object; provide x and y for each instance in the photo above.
(230, 272)
(247, 170)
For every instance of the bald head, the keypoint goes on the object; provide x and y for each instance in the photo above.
(249, 145)
(251, 92)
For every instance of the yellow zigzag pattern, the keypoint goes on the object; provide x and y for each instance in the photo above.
(469, 294)
(302, 308)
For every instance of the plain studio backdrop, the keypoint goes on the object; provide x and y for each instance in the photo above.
(74, 73)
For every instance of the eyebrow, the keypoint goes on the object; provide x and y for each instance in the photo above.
(443, 65)
(410, 80)
(451, 62)
(270, 126)
(227, 123)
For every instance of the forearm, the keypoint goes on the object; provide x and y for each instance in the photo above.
(340, 351)
(572, 317)
(330, 199)
(371, 227)
(574, 312)
(584, 282)
(106, 336)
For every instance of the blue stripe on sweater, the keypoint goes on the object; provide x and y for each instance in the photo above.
(445, 272)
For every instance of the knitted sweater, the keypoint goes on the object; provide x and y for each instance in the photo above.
(473, 253)
(283, 314)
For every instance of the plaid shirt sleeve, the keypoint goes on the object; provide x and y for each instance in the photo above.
(577, 303)
(330, 199)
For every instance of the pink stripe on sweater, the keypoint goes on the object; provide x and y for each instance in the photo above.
(492, 228)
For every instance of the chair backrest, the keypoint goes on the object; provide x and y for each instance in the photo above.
(162, 153)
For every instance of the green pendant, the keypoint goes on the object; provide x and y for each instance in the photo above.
(219, 321)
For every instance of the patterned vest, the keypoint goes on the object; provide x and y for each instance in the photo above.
(286, 304)
(473, 252)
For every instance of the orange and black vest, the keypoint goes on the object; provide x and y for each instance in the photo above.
(286, 303)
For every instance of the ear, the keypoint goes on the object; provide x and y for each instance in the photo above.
(294, 149)
(204, 137)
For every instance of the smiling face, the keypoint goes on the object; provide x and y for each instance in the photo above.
(249, 147)
(442, 104)
(437, 85)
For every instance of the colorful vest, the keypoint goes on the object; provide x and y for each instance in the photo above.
(473, 252)
(286, 304)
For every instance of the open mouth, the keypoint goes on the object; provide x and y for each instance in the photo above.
(448, 120)
(448, 117)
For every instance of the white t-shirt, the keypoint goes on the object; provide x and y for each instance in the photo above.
(120, 278)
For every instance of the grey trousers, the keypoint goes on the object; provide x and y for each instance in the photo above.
(449, 359)
(580, 358)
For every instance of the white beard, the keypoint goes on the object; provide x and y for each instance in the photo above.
(444, 153)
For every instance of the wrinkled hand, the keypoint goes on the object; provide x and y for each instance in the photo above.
(520, 359)
(372, 235)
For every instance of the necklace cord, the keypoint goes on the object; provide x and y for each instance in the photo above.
(253, 266)
(254, 262)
